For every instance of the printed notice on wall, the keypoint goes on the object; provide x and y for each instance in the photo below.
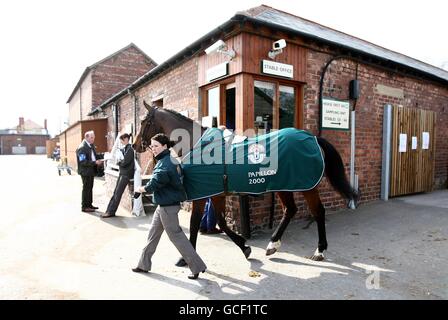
(425, 140)
(335, 114)
(403, 142)
(414, 143)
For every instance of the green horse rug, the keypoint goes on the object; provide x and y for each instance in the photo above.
(284, 160)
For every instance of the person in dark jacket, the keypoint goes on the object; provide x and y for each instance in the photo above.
(88, 163)
(168, 192)
(127, 167)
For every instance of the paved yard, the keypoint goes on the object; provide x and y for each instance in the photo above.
(49, 249)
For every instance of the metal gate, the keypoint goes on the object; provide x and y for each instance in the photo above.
(412, 151)
(41, 150)
(18, 150)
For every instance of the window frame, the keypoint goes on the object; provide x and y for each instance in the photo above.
(299, 98)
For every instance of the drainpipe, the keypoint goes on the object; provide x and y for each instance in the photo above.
(353, 176)
(115, 115)
(134, 129)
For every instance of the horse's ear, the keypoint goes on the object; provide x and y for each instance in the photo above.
(147, 106)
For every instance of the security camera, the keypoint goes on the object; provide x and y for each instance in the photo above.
(218, 45)
(278, 45)
(277, 48)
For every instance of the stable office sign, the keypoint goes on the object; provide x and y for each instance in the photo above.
(277, 69)
(335, 114)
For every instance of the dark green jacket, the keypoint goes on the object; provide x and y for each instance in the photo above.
(127, 165)
(86, 166)
(166, 183)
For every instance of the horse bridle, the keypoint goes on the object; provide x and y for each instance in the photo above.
(149, 123)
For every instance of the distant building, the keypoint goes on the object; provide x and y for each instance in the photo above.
(105, 78)
(26, 138)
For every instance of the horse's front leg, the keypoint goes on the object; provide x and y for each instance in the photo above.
(318, 211)
(219, 204)
(197, 212)
(289, 210)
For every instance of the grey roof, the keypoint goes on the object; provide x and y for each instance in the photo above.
(319, 32)
(89, 68)
(281, 20)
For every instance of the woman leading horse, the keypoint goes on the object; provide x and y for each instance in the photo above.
(159, 120)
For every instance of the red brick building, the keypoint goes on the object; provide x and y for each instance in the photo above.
(320, 63)
(97, 83)
(105, 78)
(26, 138)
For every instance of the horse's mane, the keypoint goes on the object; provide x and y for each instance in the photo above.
(178, 115)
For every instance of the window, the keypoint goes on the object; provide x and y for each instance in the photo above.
(274, 106)
(264, 95)
(287, 111)
(213, 103)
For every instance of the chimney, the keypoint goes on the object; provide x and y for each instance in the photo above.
(21, 123)
(45, 124)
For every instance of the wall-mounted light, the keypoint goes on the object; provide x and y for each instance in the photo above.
(277, 48)
(220, 47)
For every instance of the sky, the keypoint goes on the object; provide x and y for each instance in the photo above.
(46, 45)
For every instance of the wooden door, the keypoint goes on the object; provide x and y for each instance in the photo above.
(412, 167)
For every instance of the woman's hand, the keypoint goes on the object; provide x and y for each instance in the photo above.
(141, 189)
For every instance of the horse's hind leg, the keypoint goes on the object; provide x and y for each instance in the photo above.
(289, 210)
(318, 211)
(219, 204)
(197, 211)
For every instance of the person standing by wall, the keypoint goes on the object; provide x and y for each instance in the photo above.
(126, 165)
(88, 164)
(168, 192)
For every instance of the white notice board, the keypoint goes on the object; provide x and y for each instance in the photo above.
(335, 114)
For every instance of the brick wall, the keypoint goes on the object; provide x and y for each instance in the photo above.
(418, 93)
(117, 73)
(81, 102)
(28, 141)
(126, 199)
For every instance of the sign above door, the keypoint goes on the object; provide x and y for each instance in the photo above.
(277, 69)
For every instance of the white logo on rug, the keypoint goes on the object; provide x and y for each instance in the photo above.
(257, 153)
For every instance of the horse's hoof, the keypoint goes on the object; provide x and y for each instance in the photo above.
(273, 247)
(181, 263)
(317, 258)
(247, 251)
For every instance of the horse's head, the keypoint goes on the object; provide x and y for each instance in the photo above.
(149, 127)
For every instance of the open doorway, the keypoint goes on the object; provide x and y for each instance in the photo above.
(230, 108)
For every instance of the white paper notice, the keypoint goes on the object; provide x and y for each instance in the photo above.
(403, 142)
(414, 143)
(425, 138)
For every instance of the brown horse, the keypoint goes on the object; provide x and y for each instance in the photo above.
(159, 120)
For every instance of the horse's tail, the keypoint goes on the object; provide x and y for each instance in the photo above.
(334, 170)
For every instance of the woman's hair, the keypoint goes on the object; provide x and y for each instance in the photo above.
(163, 140)
(125, 136)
